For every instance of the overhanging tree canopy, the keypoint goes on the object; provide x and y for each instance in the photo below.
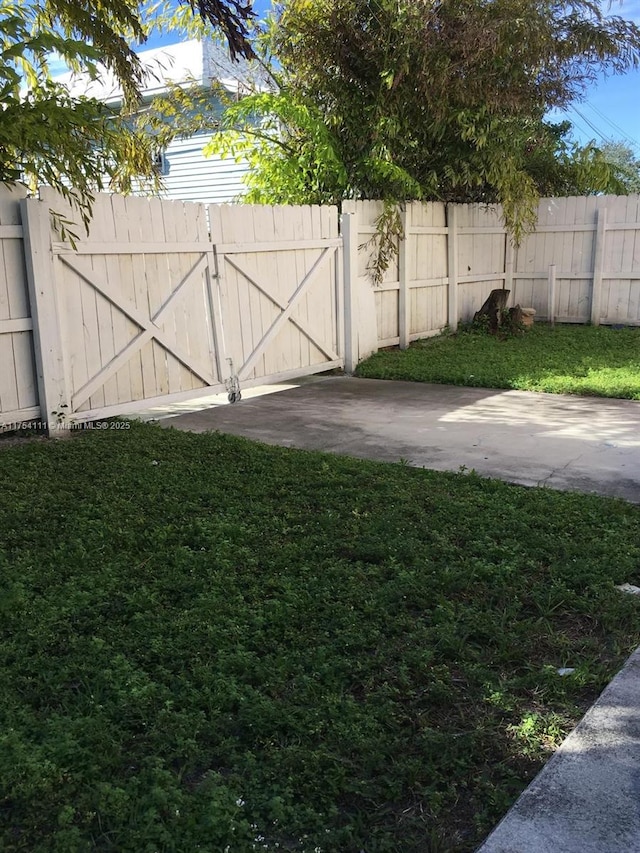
(424, 99)
(78, 144)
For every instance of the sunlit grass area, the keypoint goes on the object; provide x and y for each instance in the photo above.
(210, 644)
(597, 361)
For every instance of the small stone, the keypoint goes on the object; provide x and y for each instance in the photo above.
(565, 670)
(627, 587)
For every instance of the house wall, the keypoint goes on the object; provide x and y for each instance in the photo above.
(190, 176)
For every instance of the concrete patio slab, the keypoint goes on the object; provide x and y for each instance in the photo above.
(587, 798)
(563, 442)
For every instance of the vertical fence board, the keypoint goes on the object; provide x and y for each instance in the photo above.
(349, 232)
(404, 295)
(49, 358)
(184, 309)
(283, 229)
(632, 259)
(452, 266)
(102, 225)
(168, 221)
(598, 262)
(309, 256)
(18, 391)
(130, 377)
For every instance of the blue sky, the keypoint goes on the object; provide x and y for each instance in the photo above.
(611, 109)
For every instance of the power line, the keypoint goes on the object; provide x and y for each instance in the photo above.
(577, 124)
(622, 133)
(603, 136)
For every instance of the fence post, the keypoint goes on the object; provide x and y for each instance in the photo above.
(598, 260)
(404, 297)
(338, 273)
(551, 295)
(47, 342)
(509, 254)
(452, 265)
(349, 231)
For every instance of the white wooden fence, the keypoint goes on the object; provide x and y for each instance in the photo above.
(581, 264)
(594, 244)
(152, 304)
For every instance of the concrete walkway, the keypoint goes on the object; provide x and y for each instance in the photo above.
(575, 443)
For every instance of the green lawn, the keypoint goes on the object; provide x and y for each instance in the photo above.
(597, 361)
(208, 644)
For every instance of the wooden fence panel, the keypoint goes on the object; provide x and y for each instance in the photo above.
(575, 293)
(416, 279)
(481, 256)
(386, 294)
(567, 236)
(18, 385)
(427, 272)
(620, 299)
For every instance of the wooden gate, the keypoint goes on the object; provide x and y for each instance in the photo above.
(279, 273)
(127, 314)
(151, 308)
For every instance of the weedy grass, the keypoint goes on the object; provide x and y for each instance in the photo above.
(209, 644)
(598, 361)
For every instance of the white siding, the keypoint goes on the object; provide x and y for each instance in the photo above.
(190, 176)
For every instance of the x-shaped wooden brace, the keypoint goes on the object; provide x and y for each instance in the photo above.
(150, 327)
(286, 308)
